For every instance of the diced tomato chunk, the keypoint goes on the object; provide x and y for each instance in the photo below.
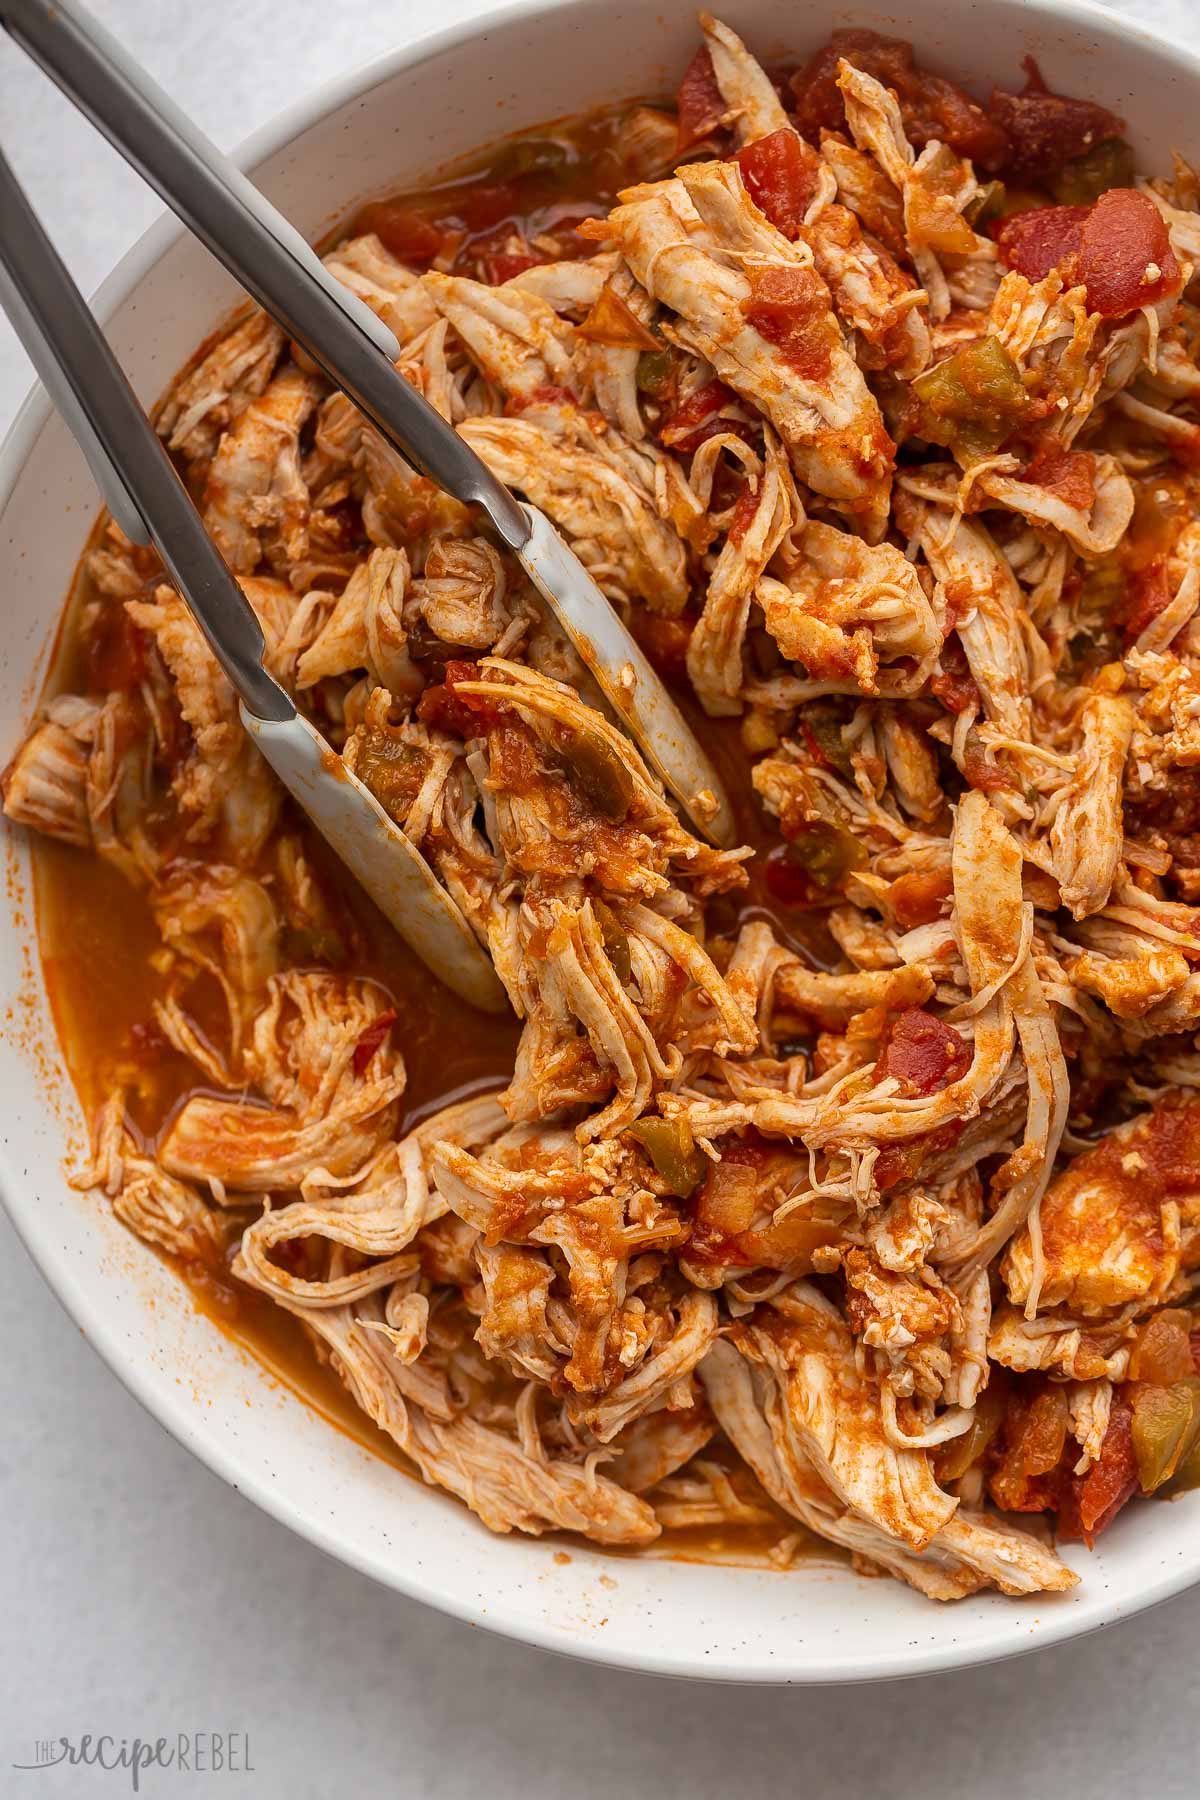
(448, 709)
(750, 1151)
(953, 682)
(698, 104)
(408, 231)
(486, 203)
(1041, 239)
(1125, 254)
(940, 109)
(743, 513)
(1118, 249)
(930, 106)
(789, 306)
(819, 103)
(714, 427)
(502, 265)
(922, 1053)
(902, 1162)
(1092, 1501)
(1162, 1350)
(545, 394)
(695, 416)
(1148, 594)
(1046, 130)
(1067, 474)
(987, 777)
(788, 881)
(371, 1039)
(780, 173)
(1027, 1477)
(665, 641)
(1034, 1465)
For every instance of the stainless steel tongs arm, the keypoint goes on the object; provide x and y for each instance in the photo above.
(137, 477)
(356, 351)
(135, 474)
(258, 246)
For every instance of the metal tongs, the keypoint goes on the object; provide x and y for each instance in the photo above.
(356, 351)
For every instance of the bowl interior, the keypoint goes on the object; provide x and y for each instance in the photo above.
(394, 125)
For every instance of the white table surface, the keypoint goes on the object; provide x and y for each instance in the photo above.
(138, 1594)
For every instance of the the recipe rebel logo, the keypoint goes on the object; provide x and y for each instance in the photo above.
(183, 1752)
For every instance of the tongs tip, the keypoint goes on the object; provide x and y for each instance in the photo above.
(634, 692)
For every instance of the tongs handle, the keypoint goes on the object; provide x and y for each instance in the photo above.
(256, 244)
(73, 358)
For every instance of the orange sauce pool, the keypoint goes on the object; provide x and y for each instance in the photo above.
(97, 933)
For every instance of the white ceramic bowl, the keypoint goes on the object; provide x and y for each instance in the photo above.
(394, 123)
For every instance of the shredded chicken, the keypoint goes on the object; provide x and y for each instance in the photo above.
(846, 1185)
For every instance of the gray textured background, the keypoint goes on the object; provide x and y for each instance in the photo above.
(139, 1594)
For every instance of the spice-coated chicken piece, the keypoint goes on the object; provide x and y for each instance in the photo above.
(770, 334)
(255, 498)
(787, 178)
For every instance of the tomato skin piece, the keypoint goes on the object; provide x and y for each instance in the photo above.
(699, 106)
(1046, 130)
(780, 178)
(371, 1039)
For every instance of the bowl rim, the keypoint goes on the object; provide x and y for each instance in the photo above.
(169, 1411)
